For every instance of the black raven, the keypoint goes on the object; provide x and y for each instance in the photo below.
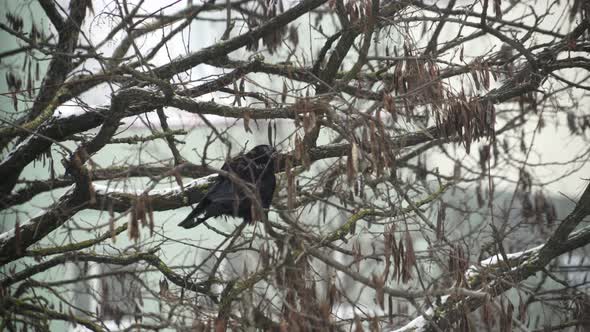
(228, 198)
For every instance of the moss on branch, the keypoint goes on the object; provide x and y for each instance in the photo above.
(74, 246)
(341, 232)
(10, 132)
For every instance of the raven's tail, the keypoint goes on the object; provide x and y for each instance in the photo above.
(191, 221)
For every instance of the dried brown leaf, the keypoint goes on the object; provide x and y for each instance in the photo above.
(409, 260)
(247, 118)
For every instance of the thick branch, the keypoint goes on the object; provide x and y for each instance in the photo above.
(10, 304)
(160, 200)
(52, 13)
(224, 48)
(14, 243)
(35, 187)
(148, 257)
(522, 266)
(140, 101)
(61, 62)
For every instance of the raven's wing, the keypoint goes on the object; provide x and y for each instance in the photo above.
(222, 195)
(266, 188)
(189, 221)
(235, 164)
(213, 202)
(220, 199)
(225, 197)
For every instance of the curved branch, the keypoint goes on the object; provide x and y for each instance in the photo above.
(118, 201)
(52, 13)
(61, 63)
(148, 257)
(43, 313)
(221, 49)
(35, 187)
(519, 267)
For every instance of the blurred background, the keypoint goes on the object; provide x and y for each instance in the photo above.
(561, 159)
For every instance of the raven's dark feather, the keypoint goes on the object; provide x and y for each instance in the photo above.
(227, 198)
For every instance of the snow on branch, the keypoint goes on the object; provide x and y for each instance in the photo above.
(519, 267)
